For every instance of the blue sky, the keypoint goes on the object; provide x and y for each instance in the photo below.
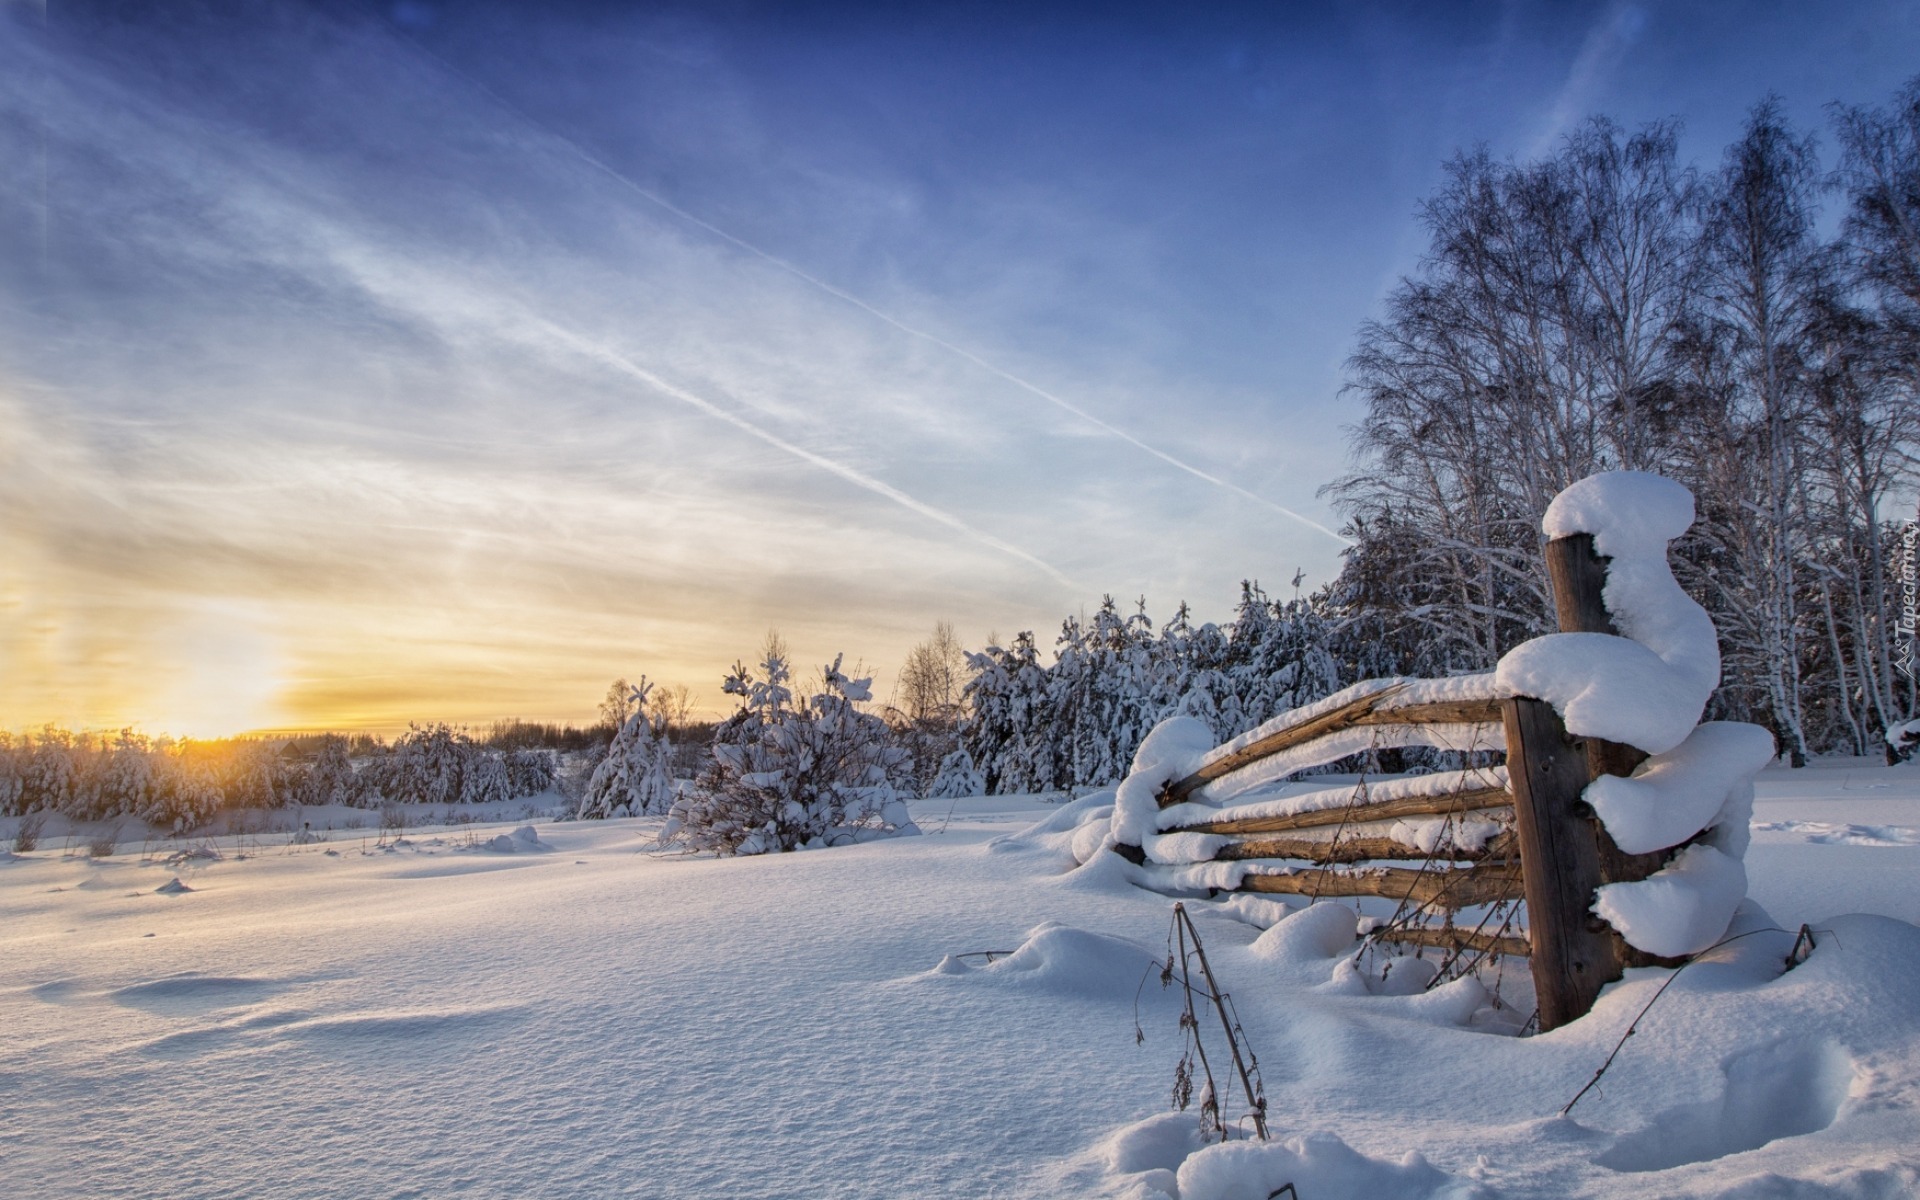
(365, 363)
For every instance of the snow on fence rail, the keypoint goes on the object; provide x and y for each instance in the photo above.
(1618, 819)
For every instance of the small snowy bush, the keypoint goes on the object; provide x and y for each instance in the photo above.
(786, 775)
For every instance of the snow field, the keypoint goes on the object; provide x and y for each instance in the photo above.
(445, 1018)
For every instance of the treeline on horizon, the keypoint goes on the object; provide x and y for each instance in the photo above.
(1605, 307)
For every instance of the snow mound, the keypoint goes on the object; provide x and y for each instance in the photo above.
(522, 839)
(172, 887)
(1074, 832)
(1316, 1164)
(1060, 958)
(1306, 939)
(1793, 1087)
(1159, 1143)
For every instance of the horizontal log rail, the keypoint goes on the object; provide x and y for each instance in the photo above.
(1371, 709)
(1455, 939)
(1488, 883)
(1440, 804)
(1357, 849)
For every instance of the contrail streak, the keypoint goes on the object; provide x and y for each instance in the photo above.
(847, 297)
(611, 358)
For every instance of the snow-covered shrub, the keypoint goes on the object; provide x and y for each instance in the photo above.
(957, 777)
(784, 776)
(636, 776)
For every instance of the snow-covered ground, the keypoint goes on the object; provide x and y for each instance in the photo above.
(578, 1017)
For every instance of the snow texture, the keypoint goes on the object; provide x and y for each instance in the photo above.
(359, 1020)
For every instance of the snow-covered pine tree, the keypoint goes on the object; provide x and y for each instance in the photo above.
(186, 792)
(485, 779)
(329, 778)
(636, 776)
(532, 771)
(1008, 728)
(957, 778)
(784, 776)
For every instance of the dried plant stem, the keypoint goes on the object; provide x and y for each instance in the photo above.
(1255, 1097)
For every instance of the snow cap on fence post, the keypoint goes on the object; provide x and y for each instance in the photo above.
(1648, 687)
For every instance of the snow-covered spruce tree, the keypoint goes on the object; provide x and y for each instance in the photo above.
(532, 771)
(485, 779)
(1008, 730)
(957, 777)
(636, 776)
(425, 766)
(186, 792)
(329, 778)
(784, 776)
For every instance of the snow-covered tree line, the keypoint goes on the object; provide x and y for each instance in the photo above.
(1034, 726)
(180, 784)
(1611, 307)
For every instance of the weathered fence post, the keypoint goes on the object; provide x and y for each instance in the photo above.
(1579, 577)
(1565, 851)
(1574, 954)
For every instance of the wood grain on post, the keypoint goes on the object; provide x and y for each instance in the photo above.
(1574, 954)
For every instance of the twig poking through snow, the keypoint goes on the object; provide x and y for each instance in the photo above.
(1183, 930)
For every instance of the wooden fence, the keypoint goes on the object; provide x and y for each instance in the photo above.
(1549, 851)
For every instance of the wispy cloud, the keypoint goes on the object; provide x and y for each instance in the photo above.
(886, 318)
(488, 429)
(1608, 41)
